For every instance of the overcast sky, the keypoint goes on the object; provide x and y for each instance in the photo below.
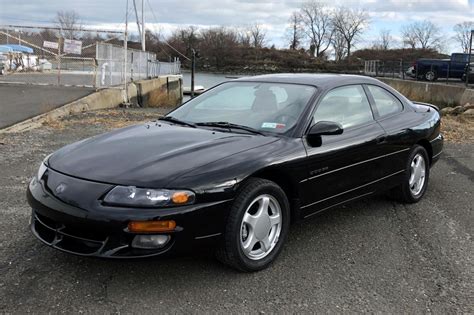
(273, 14)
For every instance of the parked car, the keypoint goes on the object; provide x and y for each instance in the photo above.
(432, 69)
(231, 168)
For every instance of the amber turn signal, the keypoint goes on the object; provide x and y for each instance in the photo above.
(180, 197)
(151, 226)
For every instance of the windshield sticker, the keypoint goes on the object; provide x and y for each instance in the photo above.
(271, 125)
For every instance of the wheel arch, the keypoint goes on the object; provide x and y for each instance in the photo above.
(286, 183)
(429, 149)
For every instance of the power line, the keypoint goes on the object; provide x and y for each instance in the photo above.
(164, 40)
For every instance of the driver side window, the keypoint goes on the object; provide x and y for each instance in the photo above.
(347, 105)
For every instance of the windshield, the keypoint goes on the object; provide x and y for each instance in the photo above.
(272, 107)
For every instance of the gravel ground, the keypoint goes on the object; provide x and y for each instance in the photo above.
(374, 255)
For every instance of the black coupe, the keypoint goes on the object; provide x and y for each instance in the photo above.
(230, 169)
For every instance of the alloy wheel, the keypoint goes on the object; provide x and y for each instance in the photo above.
(261, 227)
(417, 174)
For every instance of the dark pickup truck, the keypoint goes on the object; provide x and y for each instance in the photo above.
(432, 69)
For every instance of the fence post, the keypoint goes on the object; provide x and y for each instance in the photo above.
(94, 71)
(59, 60)
(469, 59)
(193, 68)
(402, 69)
(447, 74)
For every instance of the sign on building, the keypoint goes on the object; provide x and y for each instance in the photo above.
(51, 45)
(72, 46)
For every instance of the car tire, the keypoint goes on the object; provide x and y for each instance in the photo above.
(430, 75)
(416, 176)
(253, 220)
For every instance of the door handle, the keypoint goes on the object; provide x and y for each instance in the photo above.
(381, 139)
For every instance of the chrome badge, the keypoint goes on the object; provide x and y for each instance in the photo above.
(60, 188)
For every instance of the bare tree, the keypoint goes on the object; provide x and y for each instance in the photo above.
(409, 36)
(316, 19)
(350, 23)
(219, 46)
(243, 37)
(257, 35)
(70, 24)
(339, 46)
(385, 39)
(463, 34)
(294, 31)
(424, 34)
(185, 39)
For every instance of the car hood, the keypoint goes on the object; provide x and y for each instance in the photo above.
(149, 155)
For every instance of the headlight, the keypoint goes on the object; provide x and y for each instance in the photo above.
(143, 197)
(42, 169)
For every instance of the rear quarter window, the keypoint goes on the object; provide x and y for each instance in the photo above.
(385, 102)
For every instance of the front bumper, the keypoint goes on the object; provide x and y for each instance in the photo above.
(437, 147)
(101, 231)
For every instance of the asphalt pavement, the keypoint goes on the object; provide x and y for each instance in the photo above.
(19, 102)
(374, 255)
(76, 78)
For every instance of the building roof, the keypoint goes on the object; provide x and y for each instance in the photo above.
(16, 48)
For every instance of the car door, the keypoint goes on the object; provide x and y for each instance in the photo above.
(342, 167)
(389, 112)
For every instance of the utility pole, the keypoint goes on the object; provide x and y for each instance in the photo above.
(125, 54)
(143, 26)
(140, 25)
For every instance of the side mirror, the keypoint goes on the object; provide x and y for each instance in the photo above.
(323, 128)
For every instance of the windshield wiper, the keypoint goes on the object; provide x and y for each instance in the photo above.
(177, 121)
(228, 125)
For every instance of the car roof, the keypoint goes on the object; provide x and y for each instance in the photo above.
(322, 80)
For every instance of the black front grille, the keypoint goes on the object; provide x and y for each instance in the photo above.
(71, 240)
(87, 242)
(73, 231)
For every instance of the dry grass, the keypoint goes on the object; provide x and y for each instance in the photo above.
(458, 129)
(110, 119)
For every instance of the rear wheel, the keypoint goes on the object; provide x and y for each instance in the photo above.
(430, 75)
(257, 226)
(416, 177)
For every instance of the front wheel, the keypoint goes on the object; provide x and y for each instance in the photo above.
(416, 177)
(257, 226)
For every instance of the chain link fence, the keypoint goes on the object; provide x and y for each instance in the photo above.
(405, 70)
(93, 58)
(140, 65)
